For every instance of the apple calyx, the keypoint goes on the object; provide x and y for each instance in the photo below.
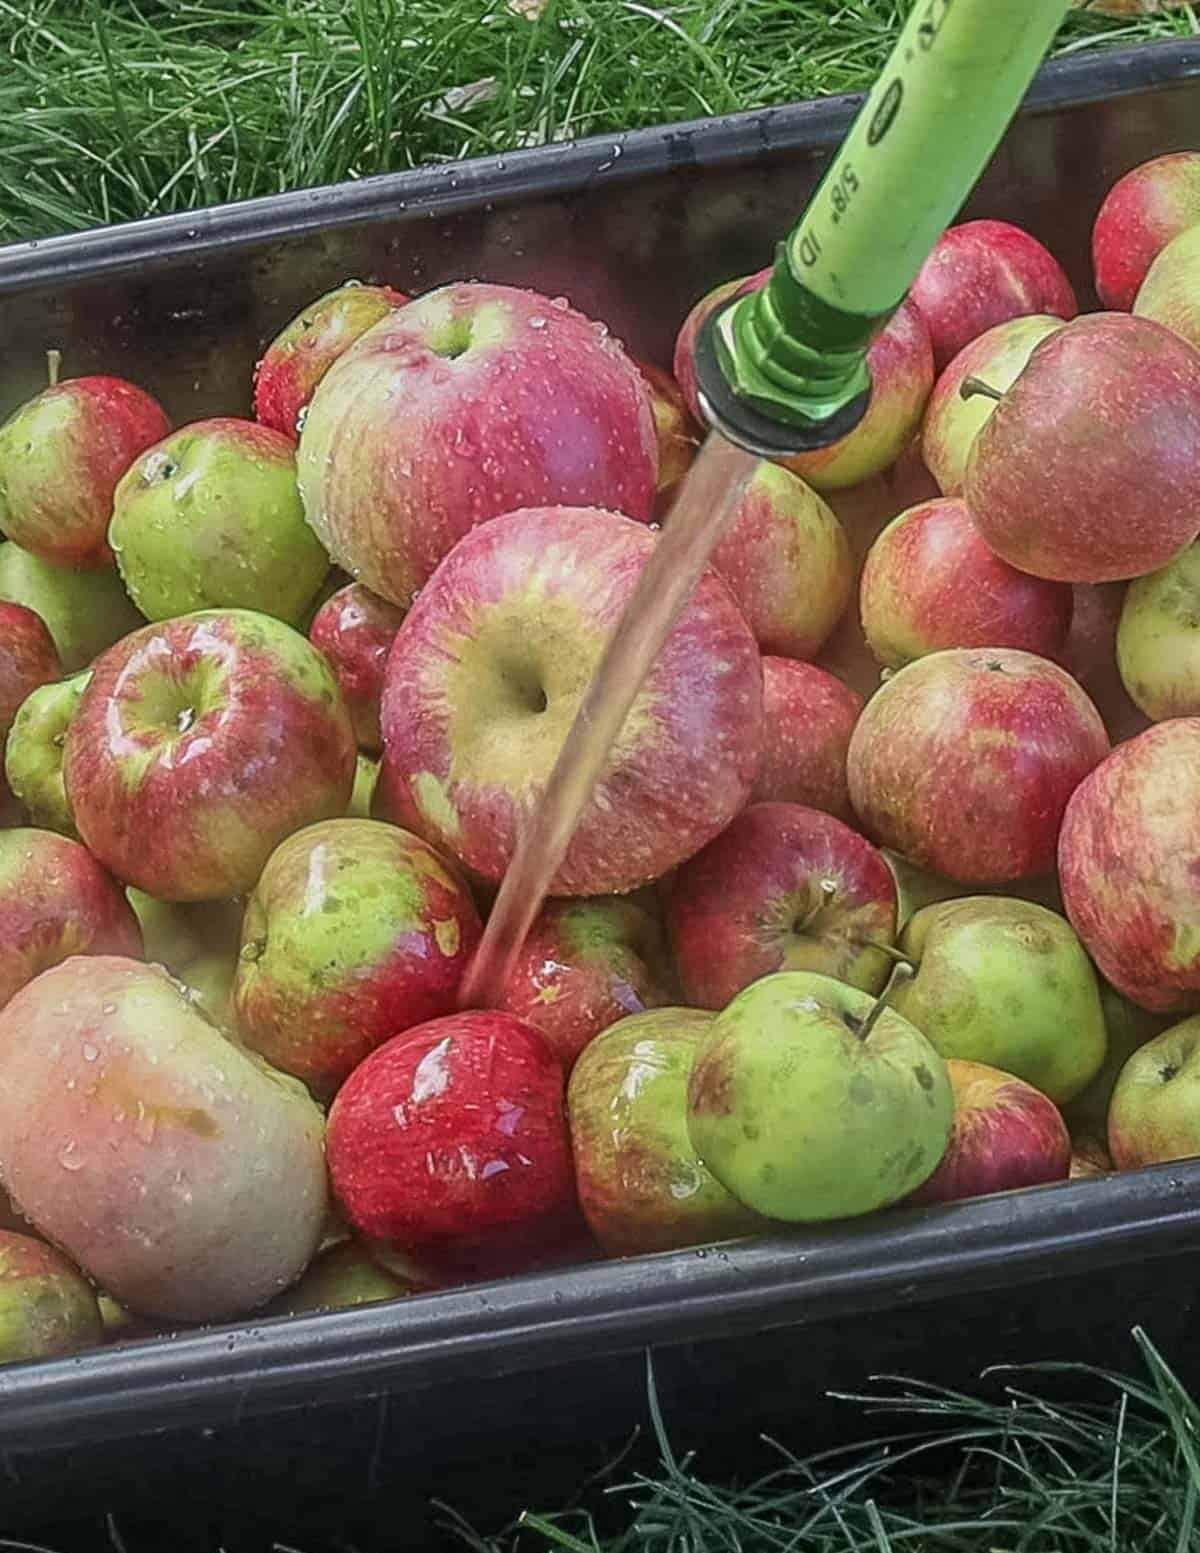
(971, 387)
(901, 971)
(53, 366)
(253, 950)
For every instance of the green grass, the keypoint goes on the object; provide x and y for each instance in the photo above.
(114, 109)
(1022, 1475)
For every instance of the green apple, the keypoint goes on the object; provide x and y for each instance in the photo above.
(198, 944)
(211, 518)
(1154, 1113)
(84, 611)
(33, 753)
(1158, 639)
(811, 1100)
(46, 1305)
(366, 774)
(641, 1184)
(1005, 982)
(341, 1276)
(1128, 1028)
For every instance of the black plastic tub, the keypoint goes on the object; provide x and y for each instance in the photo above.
(322, 1412)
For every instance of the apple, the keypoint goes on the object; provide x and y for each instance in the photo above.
(809, 1100)
(341, 1277)
(1126, 863)
(28, 660)
(470, 402)
(808, 717)
(677, 433)
(963, 762)
(783, 888)
(300, 355)
(198, 944)
(902, 375)
(211, 518)
(953, 419)
(199, 744)
(366, 775)
(787, 562)
(61, 456)
(450, 1144)
(182, 1174)
(46, 1305)
(85, 610)
(1167, 294)
(642, 1187)
(1140, 215)
(355, 631)
(981, 274)
(1090, 1159)
(490, 666)
(684, 359)
(584, 965)
(1006, 983)
(1006, 1134)
(355, 931)
(33, 752)
(1154, 1114)
(56, 901)
(930, 582)
(1088, 469)
(1128, 1027)
(1158, 639)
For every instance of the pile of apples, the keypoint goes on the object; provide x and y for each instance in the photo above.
(889, 892)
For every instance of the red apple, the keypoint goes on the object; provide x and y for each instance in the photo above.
(952, 422)
(1127, 866)
(684, 361)
(963, 762)
(1088, 470)
(981, 273)
(28, 659)
(584, 965)
(1006, 1134)
(470, 402)
(785, 888)
(61, 456)
(56, 901)
(355, 931)
(450, 1144)
(355, 631)
(787, 562)
(198, 745)
(677, 433)
(808, 717)
(930, 582)
(489, 668)
(300, 355)
(1140, 215)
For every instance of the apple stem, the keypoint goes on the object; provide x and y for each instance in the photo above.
(53, 366)
(901, 971)
(897, 956)
(971, 386)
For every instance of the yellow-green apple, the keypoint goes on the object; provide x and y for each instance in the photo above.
(33, 752)
(1140, 215)
(641, 1184)
(300, 355)
(61, 456)
(181, 1172)
(1154, 1113)
(450, 1144)
(490, 666)
(341, 1277)
(902, 375)
(56, 901)
(197, 943)
(964, 760)
(1005, 982)
(47, 1306)
(810, 1100)
(677, 433)
(808, 717)
(1128, 1027)
(1168, 294)
(1158, 639)
(787, 562)
(1006, 1134)
(355, 631)
(1127, 866)
(683, 363)
(1088, 469)
(366, 775)
(953, 418)
(470, 402)
(355, 931)
(211, 518)
(979, 275)
(783, 888)
(84, 609)
(584, 965)
(199, 744)
(930, 582)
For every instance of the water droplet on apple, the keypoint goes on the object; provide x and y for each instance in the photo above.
(90, 1053)
(68, 1158)
(560, 303)
(351, 284)
(537, 323)
(301, 419)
